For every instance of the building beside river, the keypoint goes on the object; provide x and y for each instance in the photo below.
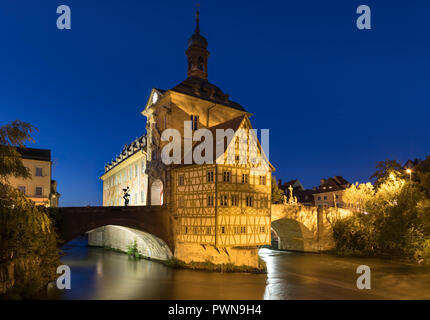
(40, 188)
(222, 208)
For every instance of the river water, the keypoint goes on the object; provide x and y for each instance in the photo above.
(102, 274)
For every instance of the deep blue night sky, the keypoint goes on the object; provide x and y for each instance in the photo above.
(336, 99)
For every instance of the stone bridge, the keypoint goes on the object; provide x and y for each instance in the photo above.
(298, 228)
(307, 229)
(152, 220)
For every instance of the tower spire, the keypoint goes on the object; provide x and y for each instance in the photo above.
(197, 52)
(197, 20)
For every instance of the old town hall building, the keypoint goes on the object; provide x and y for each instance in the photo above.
(221, 209)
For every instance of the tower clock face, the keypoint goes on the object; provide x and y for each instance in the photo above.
(154, 98)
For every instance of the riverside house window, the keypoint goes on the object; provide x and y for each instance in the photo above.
(226, 176)
(181, 180)
(244, 178)
(39, 191)
(249, 201)
(263, 180)
(224, 200)
(39, 172)
(210, 176)
(235, 200)
(210, 201)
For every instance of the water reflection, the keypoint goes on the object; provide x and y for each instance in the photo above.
(102, 274)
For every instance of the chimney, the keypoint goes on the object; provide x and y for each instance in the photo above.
(322, 181)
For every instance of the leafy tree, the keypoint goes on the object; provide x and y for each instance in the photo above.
(395, 221)
(12, 135)
(384, 169)
(357, 195)
(277, 194)
(28, 241)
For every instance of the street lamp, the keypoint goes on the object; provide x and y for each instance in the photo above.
(410, 173)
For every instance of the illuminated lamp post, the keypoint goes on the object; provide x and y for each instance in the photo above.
(409, 171)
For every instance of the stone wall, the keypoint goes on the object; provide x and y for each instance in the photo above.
(307, 229)
(189, 252)
(121, 238)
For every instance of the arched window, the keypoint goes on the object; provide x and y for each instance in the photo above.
(201, 64)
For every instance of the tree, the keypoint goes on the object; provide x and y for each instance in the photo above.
(277, 194)
(357, 195)
(11, 136)
(383, 171)
(28, 240)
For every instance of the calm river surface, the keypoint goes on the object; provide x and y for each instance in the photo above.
(103, 274)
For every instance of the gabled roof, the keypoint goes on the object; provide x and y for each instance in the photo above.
(233, 124)
(336, 183)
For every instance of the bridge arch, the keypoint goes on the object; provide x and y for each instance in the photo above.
(152, 220)
(122, 238)
(294, 235)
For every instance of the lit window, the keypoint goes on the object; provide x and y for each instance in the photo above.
(249, 201)
(194, 122)
(263, 180)
(226, 176)
(210, 201)
(244, 178)
(235, 200)
(39, 191)
(39, 172)
(181, 180)
(210, 176)
(224, 200)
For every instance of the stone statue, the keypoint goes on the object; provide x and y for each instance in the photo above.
(126, 196)
(291, 197)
